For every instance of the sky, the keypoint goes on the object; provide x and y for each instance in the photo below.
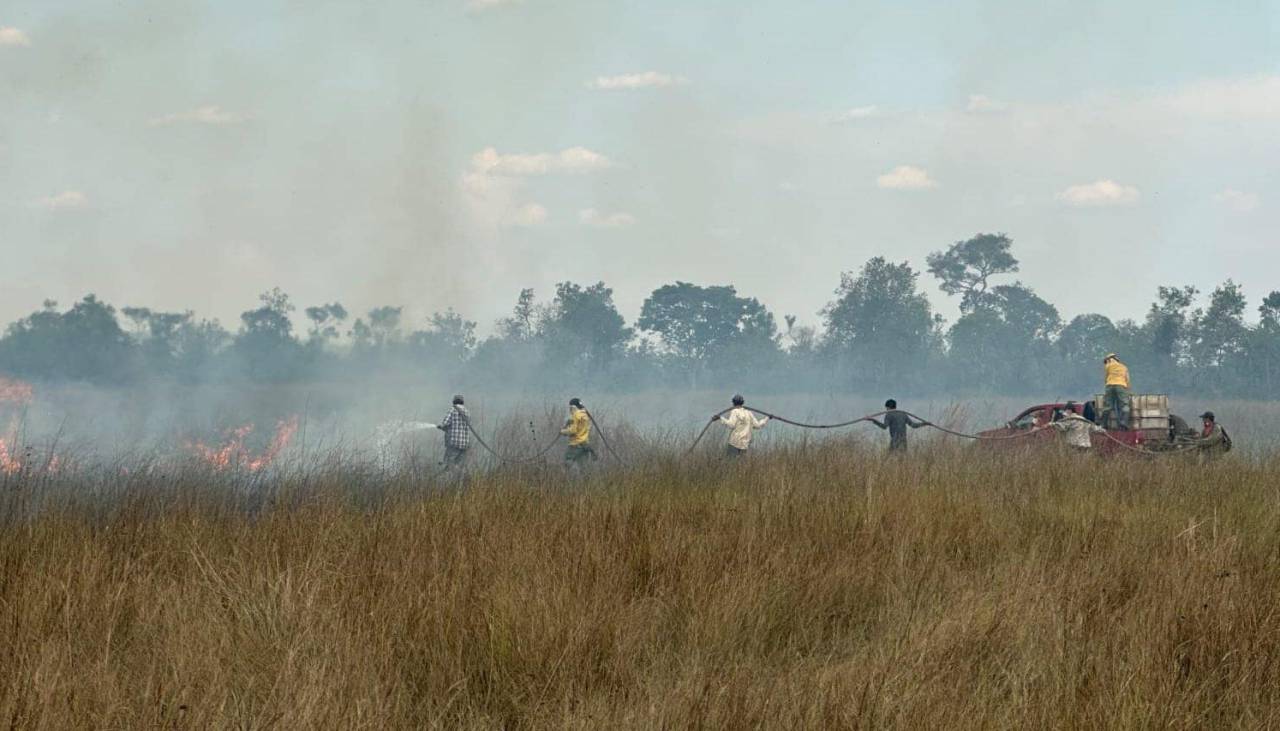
(190, 155)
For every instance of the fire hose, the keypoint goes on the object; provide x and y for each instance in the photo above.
(512, 460)
(868, 417)
(805, 425)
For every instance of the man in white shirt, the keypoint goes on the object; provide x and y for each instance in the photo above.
(741, 424)
(1078, 430)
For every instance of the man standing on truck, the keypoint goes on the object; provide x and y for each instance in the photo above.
(1077, 429)
(897, 422)
(1116, 398)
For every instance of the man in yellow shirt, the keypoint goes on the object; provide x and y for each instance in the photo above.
(1116, 395)
(578, 429)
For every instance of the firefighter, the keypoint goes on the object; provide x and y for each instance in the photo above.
(1116, 399)
(741, 424)
(1077, 429)
(456, 426)
(897, 422)
(1213, 440)
(578, 429)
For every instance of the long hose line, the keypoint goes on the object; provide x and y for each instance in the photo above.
(870, 417)
(804, 425)
(782, 419)
(603, 439)
(1020, 435)
(512, 460)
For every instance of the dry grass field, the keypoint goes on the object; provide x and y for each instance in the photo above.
(815, 586)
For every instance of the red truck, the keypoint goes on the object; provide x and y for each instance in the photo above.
(1151, 426)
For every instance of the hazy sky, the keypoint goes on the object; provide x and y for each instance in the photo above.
(437, 153)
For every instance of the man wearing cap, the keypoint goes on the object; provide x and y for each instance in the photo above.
(456, 426)
(741, 424)
(1116, 395)
(897, 422)
(1213, 440)
(1077, 429)
(578, 429)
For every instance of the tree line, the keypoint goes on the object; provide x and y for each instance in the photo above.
(879, 334)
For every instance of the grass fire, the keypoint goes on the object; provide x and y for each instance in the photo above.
(523, 364)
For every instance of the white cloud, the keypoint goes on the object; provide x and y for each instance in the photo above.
(1100, 193)
(211, 114)
(13, 37)
(857, 113)
(64, 201)
(981, 103)
(1236, 200)
(573, 160)
(643, 80)
(530, 214)
(494, 186)
(592, 217)
(906, 177)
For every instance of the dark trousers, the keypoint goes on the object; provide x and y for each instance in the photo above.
(578, 454)
(1116, 400)
(454, 462)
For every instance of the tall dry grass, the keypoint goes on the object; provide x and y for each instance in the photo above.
(810, 587)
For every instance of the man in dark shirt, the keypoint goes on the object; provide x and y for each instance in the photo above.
(897, 422)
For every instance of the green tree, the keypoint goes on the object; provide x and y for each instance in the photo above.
(523, 323)
(1166, 337)
(196, 346)
(85, 343)
(1167, 322)
(374, 338)
(265, 343)
(582, 328)
(1082, 345)
(157, 334)
(449, 338)
(1006, 341)
(703, 325)
(1264, 346)
(966, 267)
(880, 327)
(1029, 316)
(1218, 340)
(325, 321)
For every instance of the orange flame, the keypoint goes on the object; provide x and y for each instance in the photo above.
(234, 454)
(9, 463)
(18, 394)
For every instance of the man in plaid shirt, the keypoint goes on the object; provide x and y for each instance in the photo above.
(457, 437)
